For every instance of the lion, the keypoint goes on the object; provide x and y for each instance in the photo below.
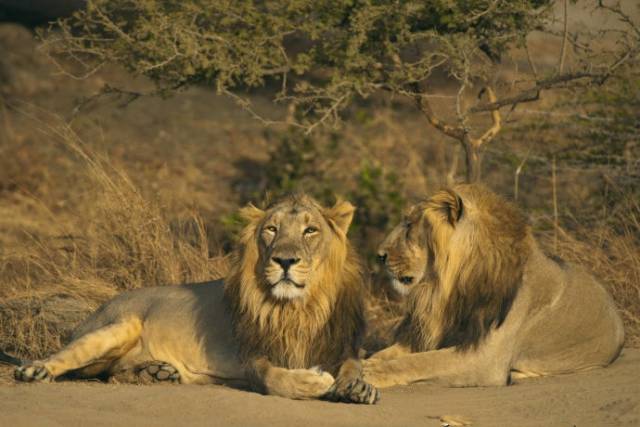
(286, 321)
(484, 305)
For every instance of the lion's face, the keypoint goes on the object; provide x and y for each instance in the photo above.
(293, 242)
(294, 287)
(408, 252)
(295, 238)
(404, 251)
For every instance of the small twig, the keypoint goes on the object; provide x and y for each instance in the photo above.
(479, 15)
(555, 204)
(112, 25)
(563, 49)
(517, 174)
(333, 110)
(532, 65)
(245, 104)
(106, 90)
(623, 17)
(459, 102)
(8, 127)
(453, 167)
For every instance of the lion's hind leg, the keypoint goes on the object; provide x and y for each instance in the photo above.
(100, 348)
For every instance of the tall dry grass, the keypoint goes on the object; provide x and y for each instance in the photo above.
(56, 267)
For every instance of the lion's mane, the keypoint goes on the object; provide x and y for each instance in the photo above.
(478, 244)
(322, 329)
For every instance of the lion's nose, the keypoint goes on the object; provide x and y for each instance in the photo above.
(285, 263)
(382, 257)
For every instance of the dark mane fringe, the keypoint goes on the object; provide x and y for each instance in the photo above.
(472, 317)
(475, 279)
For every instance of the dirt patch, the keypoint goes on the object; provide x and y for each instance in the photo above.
(599, 397)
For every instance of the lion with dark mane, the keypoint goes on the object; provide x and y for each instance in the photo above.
(286, 320)
(484, 304)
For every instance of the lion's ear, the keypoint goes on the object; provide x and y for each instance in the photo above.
(449, 204)
(251, 214)
(341, 214)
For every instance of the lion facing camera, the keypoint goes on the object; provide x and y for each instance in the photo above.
(484, 304)
(286, 321)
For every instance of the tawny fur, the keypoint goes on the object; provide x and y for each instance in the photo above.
(485, 301)
(239, 332)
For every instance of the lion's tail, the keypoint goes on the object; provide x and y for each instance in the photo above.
(10, 360)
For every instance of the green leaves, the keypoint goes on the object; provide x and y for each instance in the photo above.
(339, 47)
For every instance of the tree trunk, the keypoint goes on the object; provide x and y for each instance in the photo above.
(473, 160)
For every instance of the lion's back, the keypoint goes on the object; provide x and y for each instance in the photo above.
(572, 321)
(156, 301)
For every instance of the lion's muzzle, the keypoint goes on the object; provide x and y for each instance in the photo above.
(285, 263)
(287, 276)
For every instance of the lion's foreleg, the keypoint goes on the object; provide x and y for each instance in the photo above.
(392, 352)
(291, 383)
(103, 345)
(447, 366)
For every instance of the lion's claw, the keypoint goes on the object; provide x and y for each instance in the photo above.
(355, 391)
(32, 372)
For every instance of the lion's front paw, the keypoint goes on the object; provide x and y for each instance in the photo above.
(315, 382)
(354, 391)
(299, 383)
(158, 371)
(35, 371)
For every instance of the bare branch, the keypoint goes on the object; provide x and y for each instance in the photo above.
(447, 129)
(623, 17)
(425, 107)
(533, 94)
(497, 122)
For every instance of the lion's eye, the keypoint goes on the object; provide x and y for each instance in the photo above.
(271, 228)
(310, 230)
(407, 227)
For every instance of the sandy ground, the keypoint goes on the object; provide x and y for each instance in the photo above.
(602, 397)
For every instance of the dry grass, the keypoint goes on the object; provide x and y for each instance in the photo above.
(55, 268)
